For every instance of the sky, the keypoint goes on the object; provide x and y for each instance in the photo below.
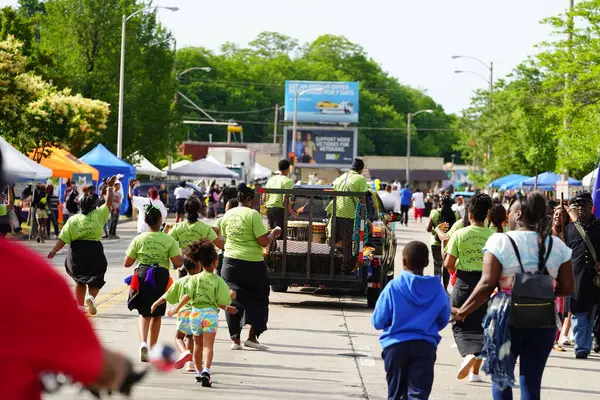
(412, 40)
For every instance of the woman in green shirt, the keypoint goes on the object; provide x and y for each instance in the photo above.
(244, 268)
(465, 256)
(153, 251)
(86, 263)
(193, 230)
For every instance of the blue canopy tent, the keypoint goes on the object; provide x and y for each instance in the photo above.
(497, 184)
(108, 165)
(547, 181)
(514, 184)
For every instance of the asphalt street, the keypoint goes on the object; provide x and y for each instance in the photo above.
(322, 346)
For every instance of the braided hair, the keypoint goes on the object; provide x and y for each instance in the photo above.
(192, 207)
(446, 213)
(534, 217)
(152, 217)
(497, 216)
(479, 207)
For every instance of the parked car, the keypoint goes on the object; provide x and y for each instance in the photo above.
(145, 186)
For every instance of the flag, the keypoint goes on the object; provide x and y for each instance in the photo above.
(596, 194)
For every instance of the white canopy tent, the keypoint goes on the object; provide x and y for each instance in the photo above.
(177, 164)
(203, 169)
(261, 172)
(19, 166)
(589, 180)
(145, 167)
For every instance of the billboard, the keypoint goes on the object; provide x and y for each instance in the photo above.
(335, 102)
(318, 147)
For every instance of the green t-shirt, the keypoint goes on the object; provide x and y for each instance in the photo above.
(207, 290)
(240, 227)
(177, 291)
(85, 227)
(3, 210)
(151, 248)
(351, 181)
(277, 182)
(456, 226)
(186, 233)
(435, 217)
(467, 246)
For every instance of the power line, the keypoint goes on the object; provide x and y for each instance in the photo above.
(234, 112)
(373, 128)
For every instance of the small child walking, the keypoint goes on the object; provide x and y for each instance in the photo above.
(184, 339)
(411, 311)
(206, 292)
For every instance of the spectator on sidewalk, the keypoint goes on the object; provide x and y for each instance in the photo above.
(116, 208)
(411, 311)
(52, 200)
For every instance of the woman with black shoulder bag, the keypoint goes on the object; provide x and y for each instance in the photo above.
(530, 268)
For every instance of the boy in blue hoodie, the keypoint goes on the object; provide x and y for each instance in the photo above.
(411, 311)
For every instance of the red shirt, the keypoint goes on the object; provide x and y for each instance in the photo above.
(42, 329)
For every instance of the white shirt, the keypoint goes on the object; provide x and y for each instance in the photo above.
(391, 201)
(139, 203)
(419, 200)
(182, 193)
(459, 209)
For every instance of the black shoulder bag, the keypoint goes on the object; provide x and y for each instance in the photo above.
(532, 300)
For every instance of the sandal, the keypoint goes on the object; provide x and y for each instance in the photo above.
(558, 347)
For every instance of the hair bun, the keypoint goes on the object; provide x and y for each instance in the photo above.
(242, 188)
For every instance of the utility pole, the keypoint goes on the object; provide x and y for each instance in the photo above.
(170, 158)
(275, 125)
(566, 100)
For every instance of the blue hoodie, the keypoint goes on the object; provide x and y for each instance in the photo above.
(411, 307)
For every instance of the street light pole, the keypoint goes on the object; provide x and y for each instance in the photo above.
(408, 134)
(122, 74)
(490, 67)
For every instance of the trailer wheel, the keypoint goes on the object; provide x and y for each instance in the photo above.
(279, 288)
(372, 296)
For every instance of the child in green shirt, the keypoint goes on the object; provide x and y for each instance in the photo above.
(206, 292)
(183, 337)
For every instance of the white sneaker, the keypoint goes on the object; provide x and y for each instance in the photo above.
(465, 366)
(91, 303)
(256, 346)
(144, 352)
(235, 346)
(475, 378)
(190, 366)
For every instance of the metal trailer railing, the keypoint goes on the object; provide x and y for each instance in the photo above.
(284, 264)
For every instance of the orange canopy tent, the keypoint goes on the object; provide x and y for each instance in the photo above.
(64, 165)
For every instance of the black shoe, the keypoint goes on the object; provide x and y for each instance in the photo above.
(204, 378)
(581, 356)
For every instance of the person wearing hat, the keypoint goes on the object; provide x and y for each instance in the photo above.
(405, 203)
(584, 229)
(345, 210)
(275, 203)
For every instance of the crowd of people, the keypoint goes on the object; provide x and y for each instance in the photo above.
(524, 277)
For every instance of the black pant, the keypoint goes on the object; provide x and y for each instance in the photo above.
(344, 232)
(114, 221)
(404, 215)
(409, 369)
(438, 265)
(52, 219)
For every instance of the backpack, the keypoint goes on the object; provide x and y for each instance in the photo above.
(72, 204)
(532, 299)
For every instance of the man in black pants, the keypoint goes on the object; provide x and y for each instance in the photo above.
(275, 203)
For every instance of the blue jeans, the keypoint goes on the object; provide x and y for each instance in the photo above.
(409, 369)
(533, 346)
(583, 326)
